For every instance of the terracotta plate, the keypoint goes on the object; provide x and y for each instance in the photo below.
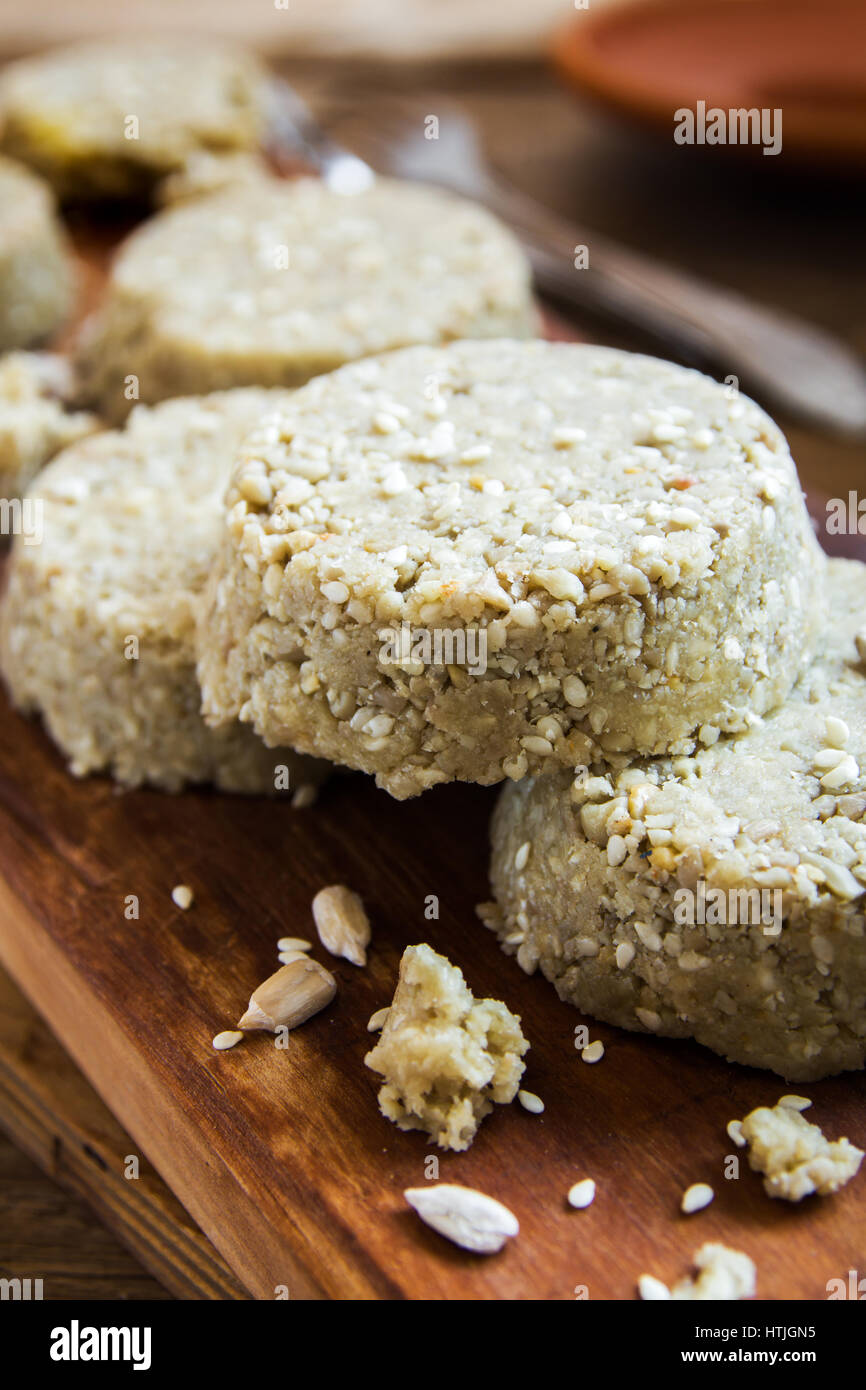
(649, 58)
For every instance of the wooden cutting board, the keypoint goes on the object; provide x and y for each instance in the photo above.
(282, 1157)
(53, 1114)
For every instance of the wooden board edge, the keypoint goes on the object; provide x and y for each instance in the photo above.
(50, 1112)
(197, 1176)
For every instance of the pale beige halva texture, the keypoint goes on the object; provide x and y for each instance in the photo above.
(205, 173)
(35, 272)
(34, 421)
(271, 282)
(108, 118)
(592, 876)
(630, 544)
(794, 1156)
(96, 629)
(446, 1057)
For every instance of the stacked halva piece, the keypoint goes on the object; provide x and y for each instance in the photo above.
(623, 549)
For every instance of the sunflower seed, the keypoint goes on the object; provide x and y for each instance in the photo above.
(342, 923)
(290, 996)
(469, 1218)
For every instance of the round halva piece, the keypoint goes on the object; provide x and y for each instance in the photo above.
(718, 896)
(109, 118)
(34, 420)
(272, 282)
(96, 630)
(478, 561)
(35, 271)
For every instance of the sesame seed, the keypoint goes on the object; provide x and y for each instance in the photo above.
(582, 1194)
(649, 1018)
(377, 1020)
(336, 591)
(664, 433)
(522, 856)
(648, 936)
(531, 1102)
(624, 954)
(735, 1131)
(574, 692)
(294, 943)
(223, 1041)
(794, 1102)
(182, 896)
(844, 772)
(385, 423)
(593, 1052)
(837, 731)
(289, 957)
(539, 746)
(827, 758)
(476, 453)
(616, 850)
(566, 435)
(379, 726)
(394, 481)
(696, 1197)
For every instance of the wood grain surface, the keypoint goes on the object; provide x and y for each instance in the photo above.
(282, 1157)
(54, 1115)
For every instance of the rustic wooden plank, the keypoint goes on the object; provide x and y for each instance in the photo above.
(56, 1117)
(282, 1157)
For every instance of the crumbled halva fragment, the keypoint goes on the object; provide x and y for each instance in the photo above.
(725, 1275)
(445, 1056)
(794, 1156)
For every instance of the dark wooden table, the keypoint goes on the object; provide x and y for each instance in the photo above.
(775, 233)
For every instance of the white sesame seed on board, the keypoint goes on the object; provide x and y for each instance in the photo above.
(593, 1052)
(294, 943)
(531, 1102)
(795, 1102)
(696, 1197)
(230, 1038)
(378, 1019)
(735, 1131)
(182, 896)
(582, 1194)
